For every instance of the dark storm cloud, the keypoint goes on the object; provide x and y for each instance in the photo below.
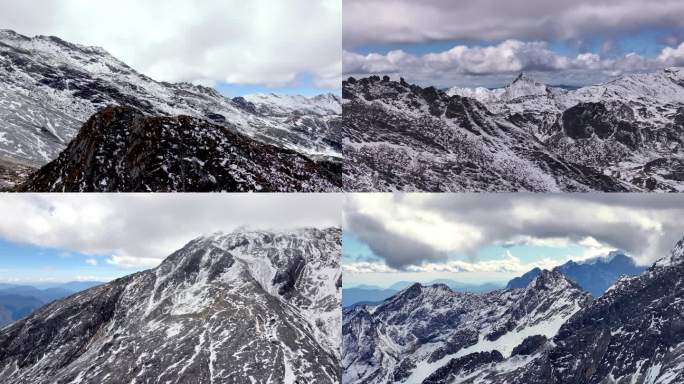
(402, 21)
(645, 225)
(397, 251)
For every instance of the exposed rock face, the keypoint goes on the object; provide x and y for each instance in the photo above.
(623, 135)
(433, 334)
(120, 149)
(398, 136)
(210, 313)
(50, 87)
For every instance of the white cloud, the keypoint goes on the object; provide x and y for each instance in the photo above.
(138, 231)
(91, 261)
(253, 42)
(462, 64)
(367, 267)
(673, 56)
(645, 226)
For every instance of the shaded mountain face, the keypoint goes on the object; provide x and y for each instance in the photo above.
(398, 136)
(625, 135)
(595, 276)
(50, 87)
(260, 306)
(432, 334)
(524, 280)
(120, 149)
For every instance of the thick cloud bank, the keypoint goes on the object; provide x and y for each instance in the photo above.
(490, 65)
(417, 232)
(140, 230)
(261, 42)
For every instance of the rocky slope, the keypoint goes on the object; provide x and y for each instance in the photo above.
(429, 334)
(121, 150)
(398, 136)
(50, 87)
(627, 134)
(249, 306)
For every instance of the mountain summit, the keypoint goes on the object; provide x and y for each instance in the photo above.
(226, 308)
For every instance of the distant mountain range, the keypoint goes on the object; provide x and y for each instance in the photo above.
(50, 88)
(368, 294)
(19, 301)
(624, 135)
(551, 331)
(595, 275)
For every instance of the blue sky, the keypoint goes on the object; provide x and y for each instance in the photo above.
(25, 263)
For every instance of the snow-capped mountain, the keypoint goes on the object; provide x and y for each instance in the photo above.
(424, 334)
(121, 150)
(398, 136)
(50, 87)
(249, 306)
(594, 275)
(627, 134)
(632, 334)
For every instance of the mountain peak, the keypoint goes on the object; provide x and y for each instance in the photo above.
(550, 279)
(616, 256)
(522, 86)
(10, 34)
(677, 254)
(521, 77)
